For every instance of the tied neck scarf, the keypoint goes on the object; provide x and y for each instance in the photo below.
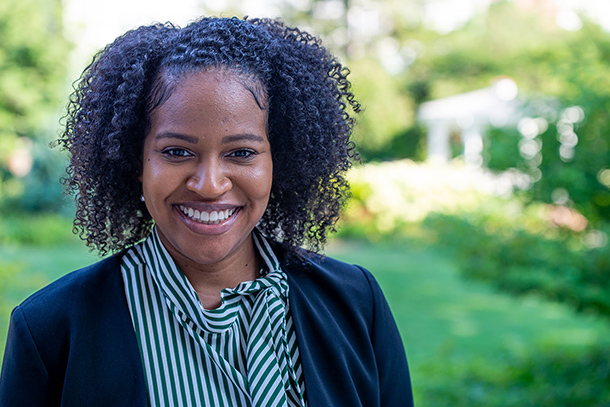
(253, 313)
(269, 373)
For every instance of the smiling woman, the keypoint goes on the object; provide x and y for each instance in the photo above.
(204, 157)
(206, 177)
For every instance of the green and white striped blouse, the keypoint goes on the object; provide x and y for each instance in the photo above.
(243, 353)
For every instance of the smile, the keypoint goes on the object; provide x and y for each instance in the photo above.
(208, 218)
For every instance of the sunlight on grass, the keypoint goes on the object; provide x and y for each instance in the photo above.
(441, 315)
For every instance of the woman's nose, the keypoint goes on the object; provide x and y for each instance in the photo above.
(209, 181)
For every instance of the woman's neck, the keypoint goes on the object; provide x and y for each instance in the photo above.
(208, 286)
(208, 280)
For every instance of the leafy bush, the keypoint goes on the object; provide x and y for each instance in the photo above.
(37, 229)
(33, 64)
(390, 197)
(558, 266)
(547, 379)
(408, 143)
(40, 190)
(536, 248)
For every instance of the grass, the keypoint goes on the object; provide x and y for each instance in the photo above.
(444, 320)
(39, 266)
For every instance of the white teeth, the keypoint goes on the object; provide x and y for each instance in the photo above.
(212, 217)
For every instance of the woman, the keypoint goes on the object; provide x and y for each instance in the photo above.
(203, 157)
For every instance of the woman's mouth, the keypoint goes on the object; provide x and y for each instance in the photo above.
(207, 218)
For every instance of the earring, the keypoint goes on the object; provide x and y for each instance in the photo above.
(142, 198)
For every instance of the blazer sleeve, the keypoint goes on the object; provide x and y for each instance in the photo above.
(394, 379)
(25, 380)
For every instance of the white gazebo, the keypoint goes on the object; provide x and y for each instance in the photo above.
(467, 115)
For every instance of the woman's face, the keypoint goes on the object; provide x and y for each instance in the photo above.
(207, 169)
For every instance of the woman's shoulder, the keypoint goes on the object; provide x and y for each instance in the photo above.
(317, 273)
(76, 288)
(335, 268)
(307, 261)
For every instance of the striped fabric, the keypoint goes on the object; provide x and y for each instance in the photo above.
(243, 353)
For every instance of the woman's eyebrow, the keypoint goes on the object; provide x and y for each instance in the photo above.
(240, 137)
(184, 137)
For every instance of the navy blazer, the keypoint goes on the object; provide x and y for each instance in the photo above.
(72, 344)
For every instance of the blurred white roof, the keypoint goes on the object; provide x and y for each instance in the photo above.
(481, 105)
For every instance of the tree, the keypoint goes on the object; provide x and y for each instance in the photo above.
(563, 140)
(368, 36)
(32, 71)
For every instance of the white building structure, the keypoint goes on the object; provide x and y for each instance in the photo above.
(467, 115)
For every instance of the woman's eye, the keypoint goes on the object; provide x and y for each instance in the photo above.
(176, 152)
(242, 153)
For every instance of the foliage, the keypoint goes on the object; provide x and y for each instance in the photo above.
(537, 248)
(32, 67)
(388, 197)
(501, 148)
(555, 265)
(507, 40)
(388, 111)
(564, 144)
(574, 149)
(564, 88)
(35, 229)
(40, 190)
(542, 379)
(401, 63)
(409, 143)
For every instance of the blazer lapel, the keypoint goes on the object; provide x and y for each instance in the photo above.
(326, 352)
(305, 322)
(121, 368)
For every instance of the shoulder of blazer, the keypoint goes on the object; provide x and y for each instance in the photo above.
(76, 288)
(82, 332)
(331, 289)
(338, 310)
(328, 274)
(81, 303)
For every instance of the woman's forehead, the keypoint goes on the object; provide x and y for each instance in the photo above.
(169, 79)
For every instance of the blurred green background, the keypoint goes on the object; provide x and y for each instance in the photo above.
(497, 267)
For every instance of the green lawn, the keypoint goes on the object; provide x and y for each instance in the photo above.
(443, 319)
(437, 311)
(38, 266)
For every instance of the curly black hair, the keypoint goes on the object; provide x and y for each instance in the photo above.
(310, 121)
